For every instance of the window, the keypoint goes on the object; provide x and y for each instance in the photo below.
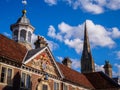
(3, 75)
(65, 87)
(15, 37)
(29, 36)
(44, 87)
(22, 35)
(9, 76)
(56, 86)
(6, 75)
(25, 80)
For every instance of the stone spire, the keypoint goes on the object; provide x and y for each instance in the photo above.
(22, 31)
(87, 62)
(108, 68)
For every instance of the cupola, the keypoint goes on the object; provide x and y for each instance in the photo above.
(22, 30)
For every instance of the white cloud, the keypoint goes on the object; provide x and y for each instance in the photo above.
(7, 34)
(52, 45)
(116, 74)
(77, 44)
(24, 2)
(118, 54)
(92, 6)
(113, 4)
(51, 2)
(99, 67)
(59, 58)
(34, 38)
(52, 33)
(99, 35)
(75, 64)
(73, 35)
(115, 32)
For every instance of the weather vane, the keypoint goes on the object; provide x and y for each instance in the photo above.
(24, 2)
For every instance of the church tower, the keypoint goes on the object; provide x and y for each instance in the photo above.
(87, 62)
(22, 31)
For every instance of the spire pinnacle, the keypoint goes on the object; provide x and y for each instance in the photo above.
(87, 62)
(86, 38)
(24, 2)
(24, 11)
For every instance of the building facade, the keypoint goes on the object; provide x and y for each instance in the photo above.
(25, 68)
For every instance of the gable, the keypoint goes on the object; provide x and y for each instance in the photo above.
(42, 60)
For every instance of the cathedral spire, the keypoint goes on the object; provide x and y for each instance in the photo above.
(87, 62)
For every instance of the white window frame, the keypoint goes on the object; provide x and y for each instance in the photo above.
(6, 75)
(25, 86)
(66, 86)
(56, 83)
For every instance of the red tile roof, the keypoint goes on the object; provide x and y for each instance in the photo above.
(11, 49)
(74, 76)
(101, 81)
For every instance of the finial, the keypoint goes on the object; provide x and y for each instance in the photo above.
(107, 61)
(24, 2)
(24, 11)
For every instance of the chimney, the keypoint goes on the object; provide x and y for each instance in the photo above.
(67, 62)
(40, 42)
(108, 68)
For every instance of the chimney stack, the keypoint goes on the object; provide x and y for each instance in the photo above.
(40, 42)
(108, 68)
(67, 62)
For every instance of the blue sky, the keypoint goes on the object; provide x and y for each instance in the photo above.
(61, 22)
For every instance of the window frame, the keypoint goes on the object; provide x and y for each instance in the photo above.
(25, 80)
(65, 86)
(58, 84)
(6, 75)
(44, 85)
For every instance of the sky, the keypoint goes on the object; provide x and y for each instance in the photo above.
(61, 22)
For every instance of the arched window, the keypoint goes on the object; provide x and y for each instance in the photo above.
(29, 36)
(22, 35)
(15, 35)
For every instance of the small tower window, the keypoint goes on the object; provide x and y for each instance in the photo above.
(15, 35)
(22, 35)
(29, 36)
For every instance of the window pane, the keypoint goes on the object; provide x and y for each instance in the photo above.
(22, 35)
(28, 81)
(15, 37)
(3, 74)
(23, 80)
(64, 87)
(9, 76)
(56, 86)
(45, 87)
(29, 36)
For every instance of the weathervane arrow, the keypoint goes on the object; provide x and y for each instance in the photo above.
(24, 2)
